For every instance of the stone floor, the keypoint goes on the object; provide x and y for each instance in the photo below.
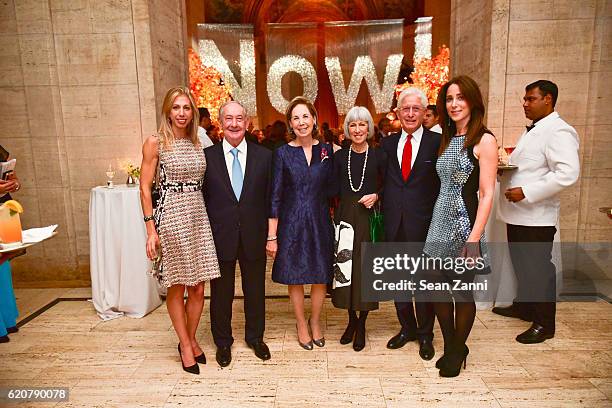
(133, 362)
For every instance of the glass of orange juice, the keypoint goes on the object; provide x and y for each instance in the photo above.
(10, 225)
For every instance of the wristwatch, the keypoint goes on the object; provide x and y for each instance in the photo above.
(148, 218)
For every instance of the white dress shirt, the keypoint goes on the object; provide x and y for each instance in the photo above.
(548, 162)
(229, 157)
(436, 128)
(415, 141)
(204, 139)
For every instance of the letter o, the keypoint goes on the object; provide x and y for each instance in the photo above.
(279, 68)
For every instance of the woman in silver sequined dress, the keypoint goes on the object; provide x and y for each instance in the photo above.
(179, 228)
(466, 166)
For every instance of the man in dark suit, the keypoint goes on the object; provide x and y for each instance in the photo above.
(236, 192)
(410, 191)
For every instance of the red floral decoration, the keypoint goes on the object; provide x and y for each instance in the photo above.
(429, 74)
(207, 86)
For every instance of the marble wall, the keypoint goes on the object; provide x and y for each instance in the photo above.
(80, 82)
(566, 42)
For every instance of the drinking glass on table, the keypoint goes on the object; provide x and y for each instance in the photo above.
(110, 173)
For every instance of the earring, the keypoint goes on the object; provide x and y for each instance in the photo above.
(314, 128)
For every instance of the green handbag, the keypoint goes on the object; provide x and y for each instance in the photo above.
(377, 229)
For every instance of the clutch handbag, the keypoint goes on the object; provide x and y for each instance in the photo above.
(377, 224)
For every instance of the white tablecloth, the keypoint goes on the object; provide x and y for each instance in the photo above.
(120, 279)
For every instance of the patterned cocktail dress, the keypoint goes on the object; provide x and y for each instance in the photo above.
(455, 211)
(188, 250)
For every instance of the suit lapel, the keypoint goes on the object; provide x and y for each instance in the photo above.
(250, 168)
(522, 143)
(394, 142)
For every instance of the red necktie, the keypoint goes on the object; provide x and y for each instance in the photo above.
(407, 158)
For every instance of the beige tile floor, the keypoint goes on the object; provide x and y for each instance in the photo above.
(133, 362)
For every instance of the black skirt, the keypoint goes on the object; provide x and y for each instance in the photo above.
(354, 213)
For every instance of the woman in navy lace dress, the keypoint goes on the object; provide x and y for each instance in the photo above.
(300, 234)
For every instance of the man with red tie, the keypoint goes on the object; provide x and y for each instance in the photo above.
(410, 190)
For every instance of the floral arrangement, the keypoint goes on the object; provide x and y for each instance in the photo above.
(132, 170)
(207, 87)
(429, 74)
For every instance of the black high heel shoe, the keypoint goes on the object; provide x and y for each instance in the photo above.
(349, 333)
(194, 369)
(454, 359)
(305, 346)
(200, 359)
(318, 342)
(441, 361)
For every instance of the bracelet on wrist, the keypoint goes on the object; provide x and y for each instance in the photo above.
(147, 218)
(271, 238)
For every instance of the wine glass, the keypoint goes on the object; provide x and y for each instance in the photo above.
(110, 173)
(509, 149)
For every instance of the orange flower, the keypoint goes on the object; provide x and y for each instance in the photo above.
(205, 84)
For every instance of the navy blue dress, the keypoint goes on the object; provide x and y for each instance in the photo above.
(300, 202)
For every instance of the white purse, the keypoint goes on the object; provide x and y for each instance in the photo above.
(343, 254)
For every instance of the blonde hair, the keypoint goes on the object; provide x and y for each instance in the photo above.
(358, 113)
(166, 136)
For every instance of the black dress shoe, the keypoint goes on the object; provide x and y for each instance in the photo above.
(12, 330)
(193, 369)
(426, 349)
(4, 339)
(400, 340)
(224, 356)
(261, 350)
(535, 334)
(511, 311)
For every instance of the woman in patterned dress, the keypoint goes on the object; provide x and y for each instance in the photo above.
(179, 230)
(467, 165)
(301, 185)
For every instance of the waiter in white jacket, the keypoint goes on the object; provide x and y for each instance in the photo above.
(548, 162)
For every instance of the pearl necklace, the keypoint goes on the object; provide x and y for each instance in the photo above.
(365, 164)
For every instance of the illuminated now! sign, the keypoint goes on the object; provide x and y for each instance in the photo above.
(353, 52)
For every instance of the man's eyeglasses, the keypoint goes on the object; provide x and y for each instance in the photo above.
(414, 109)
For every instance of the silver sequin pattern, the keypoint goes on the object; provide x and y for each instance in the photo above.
(283, 65)
(364, 68)
(450, 225)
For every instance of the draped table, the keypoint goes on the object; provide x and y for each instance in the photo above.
(120, 279)
(502, 280)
